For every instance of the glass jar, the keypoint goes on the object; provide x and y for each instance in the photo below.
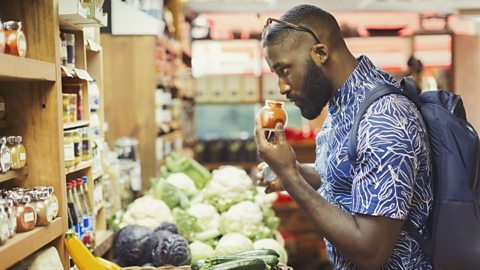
(2, 38)
(69, 149)
(5, 156)
(12, 218)
(15, 41)
(40, 204)
(53, 201)
(86, 151)
(17, 151)
(3, 110)
(26, 215)
(70, 41)
(77, 146)
(4, 224)
(271, 114)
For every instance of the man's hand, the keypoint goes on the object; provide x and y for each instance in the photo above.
(270, 185)
(279, 156)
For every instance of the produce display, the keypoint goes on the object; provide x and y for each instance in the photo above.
(190, 215)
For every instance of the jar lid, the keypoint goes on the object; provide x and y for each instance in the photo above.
(12, 25)
(11, 139)
(18, 139)
(274, 102)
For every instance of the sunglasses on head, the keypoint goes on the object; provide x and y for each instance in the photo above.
(270, 21)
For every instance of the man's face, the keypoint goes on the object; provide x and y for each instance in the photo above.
(299, 78)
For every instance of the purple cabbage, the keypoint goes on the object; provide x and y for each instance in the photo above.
(166, 226)
(172, 249)
(133, 245)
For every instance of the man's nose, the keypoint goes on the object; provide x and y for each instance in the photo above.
(284, 86)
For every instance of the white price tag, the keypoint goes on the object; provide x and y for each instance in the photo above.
(83, 74)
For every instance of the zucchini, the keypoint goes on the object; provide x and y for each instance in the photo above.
(198, 264)
(267, 259)
(258, 252)
(242, 264)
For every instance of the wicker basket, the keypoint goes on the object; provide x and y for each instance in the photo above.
(280, 267)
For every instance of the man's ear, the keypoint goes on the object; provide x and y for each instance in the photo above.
(319, 54)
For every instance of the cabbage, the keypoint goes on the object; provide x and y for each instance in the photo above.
(133, 245)
(200, 251)
(172, 249)
(274, 245)
(170, 194)
(232, 243)
(166, 226)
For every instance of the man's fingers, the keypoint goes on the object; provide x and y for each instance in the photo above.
(280, 133)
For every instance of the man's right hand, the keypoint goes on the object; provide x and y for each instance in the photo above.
(271, 185)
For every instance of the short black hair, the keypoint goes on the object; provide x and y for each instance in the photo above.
(316, 19)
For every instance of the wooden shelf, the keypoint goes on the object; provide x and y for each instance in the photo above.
(82, 123)
(81, 166)
(24, 244)
(104, 241)
(98, 207)
(14, 68)
(13, 174)
(98, 175)
(93, 46)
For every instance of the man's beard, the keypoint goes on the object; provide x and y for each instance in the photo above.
(316, 91)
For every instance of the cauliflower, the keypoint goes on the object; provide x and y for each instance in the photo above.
(208, 221)
(147, 211)
(245, 218)
(263, 199)
(183, 182)
(229, 185)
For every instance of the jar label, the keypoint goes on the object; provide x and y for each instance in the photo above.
(2, 106)
(6, 157)
(28, 217)
(23, 156)
(22, 44)
(69, 152)
(4, 231)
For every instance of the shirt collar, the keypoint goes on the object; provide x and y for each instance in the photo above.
(345, 95)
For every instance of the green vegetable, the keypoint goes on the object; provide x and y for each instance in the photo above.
(259, 252)
(197, 265)
(274, 245)
(243, 264)
(187, 224)
(271, 260)
(232, 243)
(177, 163)
(200, 251)
(171, 195)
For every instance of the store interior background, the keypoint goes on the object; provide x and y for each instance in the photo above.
(189, 76)
(206, 104)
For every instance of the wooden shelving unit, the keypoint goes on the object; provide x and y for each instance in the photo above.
(78, 124)
(24, 244)
(14, 174)
(104, 242)
(14, 68)
(32, 89)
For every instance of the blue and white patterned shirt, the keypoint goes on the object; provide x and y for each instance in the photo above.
(392, 174)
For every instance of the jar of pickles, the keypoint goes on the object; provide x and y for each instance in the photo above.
(17, 151)
(15, 41)
(69, 149)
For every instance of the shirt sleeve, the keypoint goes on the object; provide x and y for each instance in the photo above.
(388, 146)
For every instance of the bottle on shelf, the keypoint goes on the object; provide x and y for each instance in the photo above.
(83, 192)
(75, 213)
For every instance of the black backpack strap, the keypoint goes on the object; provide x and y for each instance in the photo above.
(372, 96)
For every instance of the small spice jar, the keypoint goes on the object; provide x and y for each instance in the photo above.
(69, 149)
(86, 151)
(41, 206)
(26, 215)
(15, 41)
(5, 156)
(17, 151)
(4, 224)
(52, 201)
(12, 218)
(271, 114)
(77, 146)
(2, 38)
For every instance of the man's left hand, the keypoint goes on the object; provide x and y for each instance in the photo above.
(279, 155)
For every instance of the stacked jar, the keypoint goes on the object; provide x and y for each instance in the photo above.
(21, 210)
(13, 154)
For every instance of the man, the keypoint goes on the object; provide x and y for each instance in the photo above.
(360, 208)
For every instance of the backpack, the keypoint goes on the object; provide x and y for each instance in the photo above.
(454, 222)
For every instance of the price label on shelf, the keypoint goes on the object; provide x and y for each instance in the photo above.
(83, 74)
(67, 71)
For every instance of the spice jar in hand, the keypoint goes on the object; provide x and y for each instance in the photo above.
(271, 114)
